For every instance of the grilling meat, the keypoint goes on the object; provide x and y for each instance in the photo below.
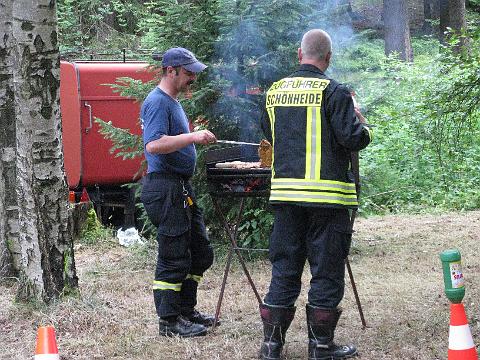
(238, 165)
(265, 153)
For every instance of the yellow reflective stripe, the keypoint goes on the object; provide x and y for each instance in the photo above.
(311, 184)
(316, 194)
(318, 141)
(162, 285)
(296, 98)
(308, 146)
(370, 133)
(271, 115)
(315, 197)
(313, 143)
(327, 187)
(196, 278)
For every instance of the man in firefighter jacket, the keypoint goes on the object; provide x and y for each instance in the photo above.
(184, 250)
(313, 126)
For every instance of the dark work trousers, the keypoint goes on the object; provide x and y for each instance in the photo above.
(321, 235)
(184, 250)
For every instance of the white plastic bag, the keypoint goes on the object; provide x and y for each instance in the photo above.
(128, 237)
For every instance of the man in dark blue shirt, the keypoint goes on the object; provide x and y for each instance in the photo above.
(184, 250)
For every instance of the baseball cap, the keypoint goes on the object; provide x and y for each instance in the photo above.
(182, 57)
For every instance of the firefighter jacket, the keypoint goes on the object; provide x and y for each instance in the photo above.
(311, 124)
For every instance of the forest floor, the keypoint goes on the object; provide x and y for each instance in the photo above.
(395, 260)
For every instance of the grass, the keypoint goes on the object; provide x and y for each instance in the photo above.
(396, 266)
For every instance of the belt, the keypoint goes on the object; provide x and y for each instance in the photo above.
(158, 175)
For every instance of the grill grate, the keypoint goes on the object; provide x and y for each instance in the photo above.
(228, 182)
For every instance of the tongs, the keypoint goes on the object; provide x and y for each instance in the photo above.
(236, 142)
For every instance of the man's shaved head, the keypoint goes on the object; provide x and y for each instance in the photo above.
(316, 44)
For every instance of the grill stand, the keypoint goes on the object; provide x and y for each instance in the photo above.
(232, 232)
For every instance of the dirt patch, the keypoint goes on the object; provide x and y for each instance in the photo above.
(394, 259)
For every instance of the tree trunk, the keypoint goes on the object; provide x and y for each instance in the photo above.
(458, 23)
(431, 11)
(8, 200)
(452, 15)
(456, 12)
(397, 29)
(444, 18)
(46, 265)
(9, 235)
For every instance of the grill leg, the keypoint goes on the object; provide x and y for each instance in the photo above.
(232, 231)
(222, 289)
(352, 280)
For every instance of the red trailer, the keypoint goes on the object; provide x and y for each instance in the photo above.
(89, 164)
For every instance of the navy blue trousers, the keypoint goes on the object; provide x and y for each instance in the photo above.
(320, 235)
(184, 250)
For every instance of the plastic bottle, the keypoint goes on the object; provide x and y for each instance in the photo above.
(452, 275)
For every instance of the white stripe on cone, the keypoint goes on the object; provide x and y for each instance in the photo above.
(460, 338)
(47, 357)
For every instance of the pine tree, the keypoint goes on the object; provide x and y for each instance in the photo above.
(247, 44)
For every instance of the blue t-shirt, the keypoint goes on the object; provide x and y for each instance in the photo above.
(163, 115)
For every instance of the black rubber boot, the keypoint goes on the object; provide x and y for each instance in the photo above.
(276, 321)
(180, 327)
(321, 327)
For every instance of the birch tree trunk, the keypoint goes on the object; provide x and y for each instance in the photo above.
(397, 29)
(46, 265)
(8, 199)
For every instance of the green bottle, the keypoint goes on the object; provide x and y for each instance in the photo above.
(452, 275)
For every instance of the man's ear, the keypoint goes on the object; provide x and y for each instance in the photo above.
(170, 71)
(328, 57)
(300, 55)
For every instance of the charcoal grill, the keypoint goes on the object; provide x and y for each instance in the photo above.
(240, 184)
(226, 182)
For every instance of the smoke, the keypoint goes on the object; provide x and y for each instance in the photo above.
(258, 45)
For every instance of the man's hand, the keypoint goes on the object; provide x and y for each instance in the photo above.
(204, 137)
(359, 115)
(168, 144)
(356, 107)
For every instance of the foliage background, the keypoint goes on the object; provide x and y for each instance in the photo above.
(426, 152)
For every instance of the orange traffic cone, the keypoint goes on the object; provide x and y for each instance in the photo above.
(46, 344)
(460, 342)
